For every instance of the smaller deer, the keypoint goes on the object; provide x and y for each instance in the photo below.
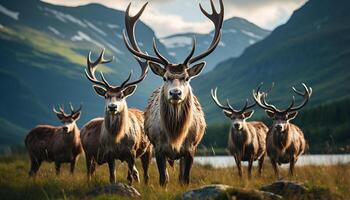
(246, 141)
(55, 144)
(285, 141)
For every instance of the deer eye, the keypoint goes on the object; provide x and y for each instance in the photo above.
(164, 78)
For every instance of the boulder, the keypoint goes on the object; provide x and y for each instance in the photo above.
(225, 192)
(115, 189)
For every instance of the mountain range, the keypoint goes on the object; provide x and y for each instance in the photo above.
(237, 35)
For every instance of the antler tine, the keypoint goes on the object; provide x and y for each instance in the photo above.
(246, 107)
(229, 105)
(186, 62)
(127, 79)
(307, 94)
(158, 53)
(92, 66)
(55, 111)
(130, 34)
(217, 19)
(79, 109)
(216, 100)
(71, 107)
(144, 71)
(260, 99)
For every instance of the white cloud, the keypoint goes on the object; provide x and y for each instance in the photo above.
(170, 16)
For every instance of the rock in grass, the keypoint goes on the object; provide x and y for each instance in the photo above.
(293, 191)
(115, 189)
(225, 192)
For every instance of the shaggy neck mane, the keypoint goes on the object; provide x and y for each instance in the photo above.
(282, 140)
(116, 125)
(176, 119)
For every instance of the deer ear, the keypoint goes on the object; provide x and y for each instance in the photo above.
(157, 69)
(292, 115)
(99, 90)
(227, 113)
(129, 90)
(270, 113)
(196, 69)
(248, 114)
(76, 116)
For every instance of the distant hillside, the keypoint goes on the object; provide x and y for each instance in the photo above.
(237, 35)
(312, 47)
(43, 51)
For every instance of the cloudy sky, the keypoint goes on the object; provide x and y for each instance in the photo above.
(168, 17)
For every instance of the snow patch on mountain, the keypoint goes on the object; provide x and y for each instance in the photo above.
(177, 41)
(91, 25)
(65, 17)
(55, 31)
(10, 13)
(81, 36)
(251, 34)
(251, 41)
(113, 26)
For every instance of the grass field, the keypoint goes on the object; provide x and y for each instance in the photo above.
(15, 184)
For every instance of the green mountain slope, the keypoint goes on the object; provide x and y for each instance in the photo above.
(312, 47)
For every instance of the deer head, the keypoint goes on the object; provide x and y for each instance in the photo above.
(176, 76)
(280, 117)
(114, 95)
(68, 120)
(238, 117)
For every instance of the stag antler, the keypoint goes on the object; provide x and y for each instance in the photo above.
(73, 111)
(229, 107)
(260, 99)
(92, 66)
(130, 31)
(215, 17)
(61, 111)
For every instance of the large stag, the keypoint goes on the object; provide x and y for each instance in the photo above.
(55, 144)
(285, 141)
(174, 120)
(120, 134)
(247, 140)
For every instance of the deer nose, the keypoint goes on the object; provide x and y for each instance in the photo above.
(279, 127)
(175, 93)
(65, 129)
(112, 107)
(236, 125)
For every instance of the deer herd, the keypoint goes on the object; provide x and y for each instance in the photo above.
(173, 123)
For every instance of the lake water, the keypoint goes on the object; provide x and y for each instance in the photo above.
(228, 161)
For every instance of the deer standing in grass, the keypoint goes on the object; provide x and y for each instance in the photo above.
(120, 134)
(59, 144)
(285, 141)
(247, 140)
(174, 120)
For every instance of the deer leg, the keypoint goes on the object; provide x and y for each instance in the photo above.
(275, 167)
(291, 166)
(261, 162)
(35, 165)
(132, 171)
(111, 166)
(188, 162)
(58, 168)
(181, 169)
(145, 161)
(163, 173)
(250, 165)
(239, 167)
(72, 166)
